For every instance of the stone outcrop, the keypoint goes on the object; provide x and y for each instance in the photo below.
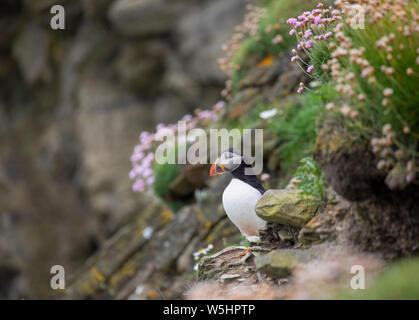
(286, 207)
(225, 264)
(280, 263)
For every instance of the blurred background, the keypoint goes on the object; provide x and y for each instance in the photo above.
(79, 109)
(72, 104)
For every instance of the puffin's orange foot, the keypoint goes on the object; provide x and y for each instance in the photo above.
(244, 254)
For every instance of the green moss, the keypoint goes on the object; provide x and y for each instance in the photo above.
(286, 208)
(164, 174)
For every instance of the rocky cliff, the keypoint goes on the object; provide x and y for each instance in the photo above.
(303, 235)
(73, 103)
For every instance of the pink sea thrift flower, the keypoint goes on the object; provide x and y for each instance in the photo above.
(292, 21)
(301, 88)
(219, 106)
(187, 117)
(138, 186)
(265, 176)
(150, 180)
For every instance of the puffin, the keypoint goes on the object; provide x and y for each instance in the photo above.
(241, 194)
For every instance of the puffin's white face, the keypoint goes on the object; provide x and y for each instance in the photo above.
(228, 161)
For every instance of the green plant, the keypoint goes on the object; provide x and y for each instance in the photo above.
(164, 174)
(309, 179)
(296, 127)
(375, 70)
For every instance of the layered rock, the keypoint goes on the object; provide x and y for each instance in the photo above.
(152, 254)
(280, 263)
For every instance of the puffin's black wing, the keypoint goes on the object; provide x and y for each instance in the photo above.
(255, 183)
(249, 179)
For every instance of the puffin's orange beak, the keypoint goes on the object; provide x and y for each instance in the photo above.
(216, 168)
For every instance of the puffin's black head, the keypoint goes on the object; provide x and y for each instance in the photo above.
(232, 161)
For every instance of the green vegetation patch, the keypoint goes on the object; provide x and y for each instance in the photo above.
(296, 127)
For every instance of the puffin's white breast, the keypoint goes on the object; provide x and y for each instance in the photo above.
(239, 200)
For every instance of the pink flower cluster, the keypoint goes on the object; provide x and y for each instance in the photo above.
(357, 78)
(310, 27)
(142, 157)
(141, 160)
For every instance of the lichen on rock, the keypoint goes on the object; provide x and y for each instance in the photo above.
(286, 207)
(280, 263)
